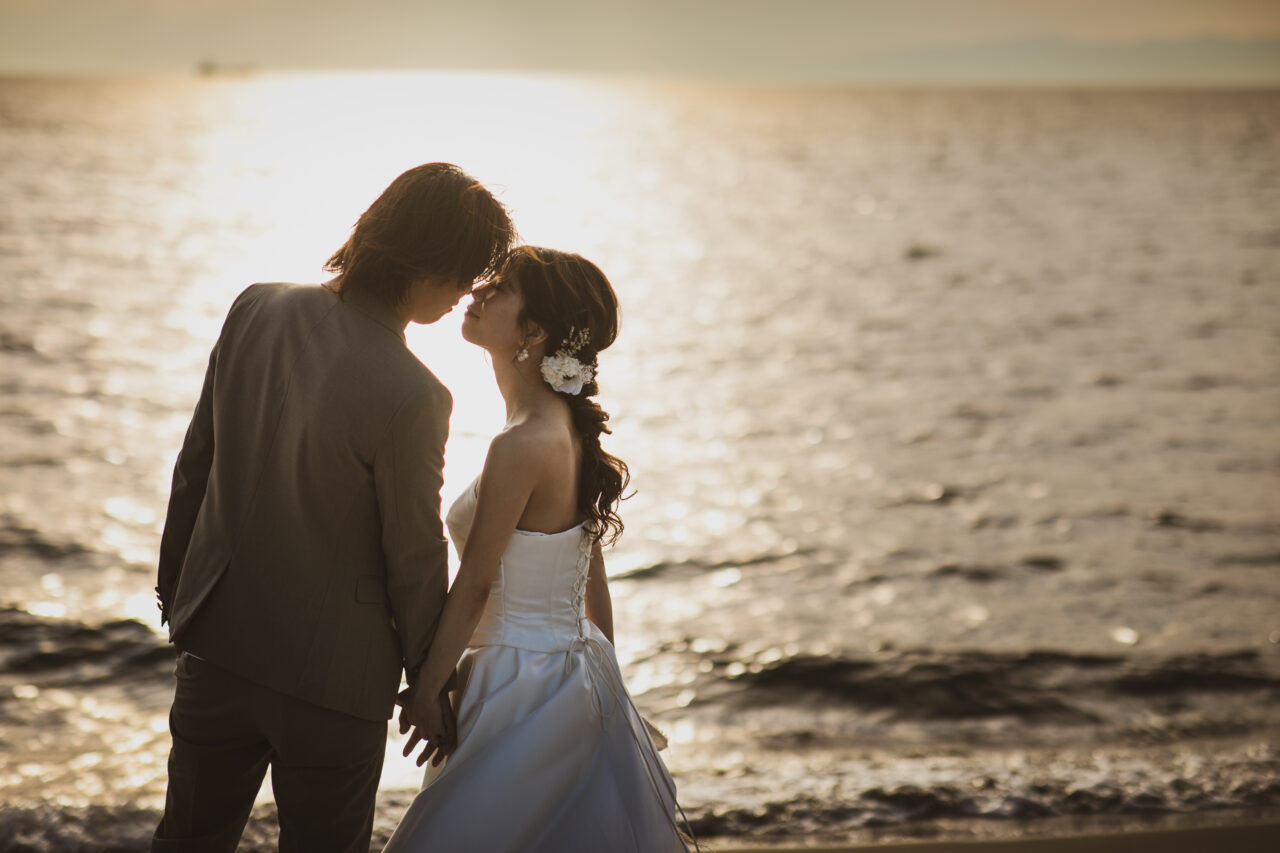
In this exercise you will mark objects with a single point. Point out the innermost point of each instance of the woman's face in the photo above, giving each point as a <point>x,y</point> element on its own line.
<point>492,319</point>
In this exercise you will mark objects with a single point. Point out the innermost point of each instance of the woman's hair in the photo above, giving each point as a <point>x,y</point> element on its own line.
<point>433,220</point>
<point>565,294</point>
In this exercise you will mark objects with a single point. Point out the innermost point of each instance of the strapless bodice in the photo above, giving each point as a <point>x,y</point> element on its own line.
<point>537,598</point>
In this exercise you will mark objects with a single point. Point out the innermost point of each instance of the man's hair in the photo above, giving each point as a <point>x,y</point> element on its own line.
<point>433,220</point>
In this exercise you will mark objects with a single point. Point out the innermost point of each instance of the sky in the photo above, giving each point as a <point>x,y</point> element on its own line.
<point>1175,42</point>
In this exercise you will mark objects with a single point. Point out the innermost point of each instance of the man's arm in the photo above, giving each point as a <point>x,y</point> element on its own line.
<point>190,478</point>
<point>408,472</point>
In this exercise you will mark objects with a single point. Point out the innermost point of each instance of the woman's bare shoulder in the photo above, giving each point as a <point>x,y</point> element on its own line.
<point>531,444</point>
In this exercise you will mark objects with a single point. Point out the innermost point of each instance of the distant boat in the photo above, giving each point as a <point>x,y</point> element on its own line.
<point>211,68</point>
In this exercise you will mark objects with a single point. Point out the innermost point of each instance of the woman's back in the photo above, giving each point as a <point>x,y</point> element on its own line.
<point>552,451</point>
<point>537,598</point>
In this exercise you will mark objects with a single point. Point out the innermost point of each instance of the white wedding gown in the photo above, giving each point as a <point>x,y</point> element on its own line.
<point>552,755</point>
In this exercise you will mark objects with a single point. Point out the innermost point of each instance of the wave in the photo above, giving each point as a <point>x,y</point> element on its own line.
<point>59,652</point>
<point>880,807</point>
<point>1035,687</point>
<point>17,539</point>
<point>50,828</point>
<point>911,686</point>
<point>62,829</point>
<point>696,568</point>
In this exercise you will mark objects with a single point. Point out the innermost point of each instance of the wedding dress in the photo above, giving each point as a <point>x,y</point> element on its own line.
<point>552,755</point>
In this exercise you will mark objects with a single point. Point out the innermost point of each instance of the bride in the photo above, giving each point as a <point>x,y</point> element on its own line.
<point>550,754</point>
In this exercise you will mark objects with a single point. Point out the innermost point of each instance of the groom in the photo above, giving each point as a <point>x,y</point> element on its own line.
<point>303,566</point>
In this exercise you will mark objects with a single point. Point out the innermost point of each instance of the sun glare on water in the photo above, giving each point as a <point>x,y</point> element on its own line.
<point>294,159</point>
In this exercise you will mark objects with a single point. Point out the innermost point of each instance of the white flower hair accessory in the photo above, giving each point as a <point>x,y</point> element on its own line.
<point>563,371</point>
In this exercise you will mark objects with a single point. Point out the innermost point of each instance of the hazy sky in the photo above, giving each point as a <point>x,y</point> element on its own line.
<point>1175,41</point>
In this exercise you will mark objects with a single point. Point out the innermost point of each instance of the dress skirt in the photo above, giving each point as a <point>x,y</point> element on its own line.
<point>552,756</point>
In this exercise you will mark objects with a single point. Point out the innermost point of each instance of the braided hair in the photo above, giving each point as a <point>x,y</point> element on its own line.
<point>565,294</point>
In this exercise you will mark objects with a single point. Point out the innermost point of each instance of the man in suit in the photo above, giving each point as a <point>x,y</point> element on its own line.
<point>303,564</point>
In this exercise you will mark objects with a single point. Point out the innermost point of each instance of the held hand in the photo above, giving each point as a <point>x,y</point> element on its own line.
<point>451,723</point>
<point>433,723</point>
<point>402,699</point>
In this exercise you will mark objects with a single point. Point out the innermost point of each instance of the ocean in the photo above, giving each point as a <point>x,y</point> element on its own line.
<point>951,414</point>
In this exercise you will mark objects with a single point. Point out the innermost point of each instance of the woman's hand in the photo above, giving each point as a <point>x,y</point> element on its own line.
<point>433,721</point>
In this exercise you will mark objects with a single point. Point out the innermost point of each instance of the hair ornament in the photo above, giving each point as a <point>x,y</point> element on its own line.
<point>564,371</point>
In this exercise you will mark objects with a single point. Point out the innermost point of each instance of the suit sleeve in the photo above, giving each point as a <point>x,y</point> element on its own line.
<point>408,474</point>
<point>190,479</point>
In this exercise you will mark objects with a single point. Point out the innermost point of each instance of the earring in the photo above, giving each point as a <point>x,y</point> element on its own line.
<point>523,353</point>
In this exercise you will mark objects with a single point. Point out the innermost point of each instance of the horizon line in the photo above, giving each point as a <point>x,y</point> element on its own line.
<point>211,70</point>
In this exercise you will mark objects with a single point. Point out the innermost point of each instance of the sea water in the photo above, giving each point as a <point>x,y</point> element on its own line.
<point>951,417</point>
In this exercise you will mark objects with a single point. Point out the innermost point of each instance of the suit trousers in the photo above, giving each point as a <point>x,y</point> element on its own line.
<point>325,766</point>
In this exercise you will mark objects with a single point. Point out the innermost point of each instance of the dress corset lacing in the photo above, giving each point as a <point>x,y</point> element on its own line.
<point>604,677</point>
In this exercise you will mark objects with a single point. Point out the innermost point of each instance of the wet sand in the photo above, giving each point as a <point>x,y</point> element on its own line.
<point>45,830</point>
<point>1236,839</point>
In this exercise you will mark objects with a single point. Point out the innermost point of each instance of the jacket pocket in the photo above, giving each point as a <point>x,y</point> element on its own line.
<point>187,665</point>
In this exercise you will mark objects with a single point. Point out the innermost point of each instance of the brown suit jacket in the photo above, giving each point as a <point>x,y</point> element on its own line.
<point>303,548</point>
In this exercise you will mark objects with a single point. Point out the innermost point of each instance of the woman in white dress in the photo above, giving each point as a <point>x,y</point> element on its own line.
<point>551,754</point>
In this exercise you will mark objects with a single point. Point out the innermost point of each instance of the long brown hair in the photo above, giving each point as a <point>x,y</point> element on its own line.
<point>434,219</point>
<point>564,294</point>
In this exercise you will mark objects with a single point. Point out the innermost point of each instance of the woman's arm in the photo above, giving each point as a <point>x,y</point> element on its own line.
<point>599,604</point>
<point>506,483</point>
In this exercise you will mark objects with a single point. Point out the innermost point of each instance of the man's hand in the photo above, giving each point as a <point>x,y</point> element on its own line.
<point>433,722</point>
<point>164,609</point>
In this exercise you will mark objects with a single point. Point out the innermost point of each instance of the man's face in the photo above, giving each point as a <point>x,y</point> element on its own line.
<point>430,298</point>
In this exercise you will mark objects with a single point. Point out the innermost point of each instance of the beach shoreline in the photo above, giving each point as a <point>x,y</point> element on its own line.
<point>1260,837</point>
<point>1238,835</point>
<point>1236,831</point>
<point>49,828</point>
